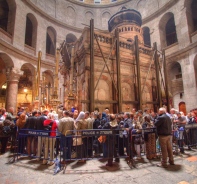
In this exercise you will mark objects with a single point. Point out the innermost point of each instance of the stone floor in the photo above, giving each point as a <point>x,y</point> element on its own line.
<point>30,171</point>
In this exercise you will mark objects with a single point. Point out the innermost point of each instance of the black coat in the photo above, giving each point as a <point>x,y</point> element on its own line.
<point>40,122</point>
<point>163,124</point>
<point>31,122</point>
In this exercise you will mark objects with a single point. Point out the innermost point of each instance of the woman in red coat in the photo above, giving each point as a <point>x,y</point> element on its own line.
<point>49,142</point>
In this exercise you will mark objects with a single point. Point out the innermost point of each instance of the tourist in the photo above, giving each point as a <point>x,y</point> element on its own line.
<point>109,148</point>
<point>77,141</point>
<point>66,127</point>
<point>49,142</point>
<point>31,140</point>
<point>22,139</point>
<point>5,136</point>
<point>164,130</point>
<point>40,127</point>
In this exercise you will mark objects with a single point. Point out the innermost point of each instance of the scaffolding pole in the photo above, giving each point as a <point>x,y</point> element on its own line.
<point>157,77</point>
<point>166,81</point>
<point>138,73</point>
<point>118,72</point>
<point>91,91</point>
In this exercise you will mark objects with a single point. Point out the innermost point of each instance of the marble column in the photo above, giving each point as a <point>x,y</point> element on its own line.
<point>13,76</point>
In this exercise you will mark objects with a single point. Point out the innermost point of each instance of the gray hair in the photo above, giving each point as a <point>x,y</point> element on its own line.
<point>162,109</point>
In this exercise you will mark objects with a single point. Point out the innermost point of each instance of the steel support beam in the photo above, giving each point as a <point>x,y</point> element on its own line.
<point>166,81</point>
<point>91,89</point>
<point>139,93</point>
<point>157,77</point>
<point>118,72</point>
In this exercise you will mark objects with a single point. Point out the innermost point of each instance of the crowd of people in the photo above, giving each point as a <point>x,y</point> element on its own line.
<point>71,123</point>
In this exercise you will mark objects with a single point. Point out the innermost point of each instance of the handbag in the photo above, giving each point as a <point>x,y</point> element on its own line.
<point>77,141</point>
<point>102,139</point>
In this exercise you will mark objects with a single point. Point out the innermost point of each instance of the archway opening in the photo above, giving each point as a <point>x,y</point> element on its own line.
<point>171,36</point>
<point>4,9</point>
<point>28,32</point>
<point>50,41</point>
<point>146,35</point>
<point>194,14</point>
<point>31,31</point>
<point>182,107</point>
<point>25,87</point>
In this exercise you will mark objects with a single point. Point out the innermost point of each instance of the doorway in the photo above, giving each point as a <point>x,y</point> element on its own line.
<point>182,107</point>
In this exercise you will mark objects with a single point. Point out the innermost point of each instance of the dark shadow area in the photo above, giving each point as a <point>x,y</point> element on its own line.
<point>174,168</point>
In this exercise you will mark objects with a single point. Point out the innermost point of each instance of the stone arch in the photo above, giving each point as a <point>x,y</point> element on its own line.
<point>48,77</point>
<point>103,91</point>
<point>126,91</point>
<point>70,38</point>
<point>26,86</point>
<point>175,79</point>
<point>105,18</point>
<point>146,36</point>
<point>191,6</point>
<point>31,30</point>
<point>6,61</point>
<point>8,12</point>
<point>47,86</point>
<point>71,15</point>
<point>146,94</point>
<point>167,30</point>
<point>88,16</point>
<point>28,77</point>
<point>51,40</point>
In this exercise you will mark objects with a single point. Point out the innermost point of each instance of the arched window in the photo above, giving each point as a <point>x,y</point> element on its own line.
<point>31,30</point>
<point>51,41</point>
<point>7,15</point>
<point>146,35</point>
<point>4,13</point>
<point>194,14</point>
<point>171,36</point>
<point>195,68</point>
<point>28,32</point>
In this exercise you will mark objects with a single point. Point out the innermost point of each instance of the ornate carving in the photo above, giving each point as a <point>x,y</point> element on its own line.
<point>13,74</point>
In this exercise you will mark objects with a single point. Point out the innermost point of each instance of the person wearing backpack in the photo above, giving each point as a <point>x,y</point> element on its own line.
<point>5,132</point>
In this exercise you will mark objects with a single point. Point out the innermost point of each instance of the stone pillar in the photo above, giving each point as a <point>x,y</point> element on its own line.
<point>13,76</point>
<point>189,86</point>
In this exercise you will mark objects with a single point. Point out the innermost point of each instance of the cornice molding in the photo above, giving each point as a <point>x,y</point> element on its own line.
<point>23,54</point>
<point>98,5</point>
<point>181,53</point>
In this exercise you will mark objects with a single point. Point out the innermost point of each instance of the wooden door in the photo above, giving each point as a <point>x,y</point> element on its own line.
<point>182,107</point>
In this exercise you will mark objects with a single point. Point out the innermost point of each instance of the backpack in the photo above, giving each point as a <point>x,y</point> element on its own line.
<point>6,130</point>
<point>49,126</point>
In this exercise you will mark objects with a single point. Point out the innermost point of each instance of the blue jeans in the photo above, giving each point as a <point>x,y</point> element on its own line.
<point>66,144</point>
